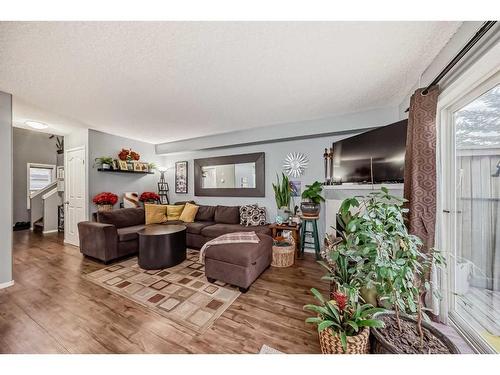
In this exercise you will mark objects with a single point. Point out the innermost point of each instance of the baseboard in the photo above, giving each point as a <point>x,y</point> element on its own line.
<point>50,231</point>
<point>7,284</point>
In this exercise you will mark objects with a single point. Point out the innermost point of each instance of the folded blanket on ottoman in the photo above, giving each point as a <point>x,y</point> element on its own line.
<point>237,237</point>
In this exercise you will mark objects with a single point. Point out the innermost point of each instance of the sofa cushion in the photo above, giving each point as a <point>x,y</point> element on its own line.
<point>174,211</point>
<point>227,214</point>
<point>189,213</point>
<point>245,213</point>
<point>217,230</point>
<point>205,213</point>
<point>129,233</point>
<point>197,226</point>
<point>155,213</point>
<point>242,254</point>
<point>125,217</point>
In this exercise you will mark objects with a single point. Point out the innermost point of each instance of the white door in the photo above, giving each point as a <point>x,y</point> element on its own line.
<point>75,192</point>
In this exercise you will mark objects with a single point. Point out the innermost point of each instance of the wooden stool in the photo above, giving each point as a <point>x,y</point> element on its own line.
<point>313,220</point>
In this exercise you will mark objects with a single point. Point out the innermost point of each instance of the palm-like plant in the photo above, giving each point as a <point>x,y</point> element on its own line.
<point>282,192</point>
<point>342,316</point>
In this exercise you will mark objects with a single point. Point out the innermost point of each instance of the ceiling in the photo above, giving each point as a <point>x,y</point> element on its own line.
<point>166,81</point>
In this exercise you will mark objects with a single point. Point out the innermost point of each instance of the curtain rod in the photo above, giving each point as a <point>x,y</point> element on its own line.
<point>471,43</point>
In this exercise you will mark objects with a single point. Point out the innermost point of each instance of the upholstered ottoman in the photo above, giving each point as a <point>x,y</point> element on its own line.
<point>238,264</point>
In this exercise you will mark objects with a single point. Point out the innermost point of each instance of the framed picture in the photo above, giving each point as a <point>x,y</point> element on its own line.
<point>123,165</point>
<point>137,166</point>
<point>115,164</point>
<point>295,187</point>
<point>145,167</point>
<point>181,177</point>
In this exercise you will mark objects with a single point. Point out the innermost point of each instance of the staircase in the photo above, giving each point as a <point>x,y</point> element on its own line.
<point>43,205</point>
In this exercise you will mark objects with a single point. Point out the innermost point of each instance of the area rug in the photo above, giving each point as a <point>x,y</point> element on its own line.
<point>269,350</point>
<point>180,293</point>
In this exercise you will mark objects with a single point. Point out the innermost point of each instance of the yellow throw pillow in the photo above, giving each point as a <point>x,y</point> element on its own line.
<point>189,213</point>
<point>155,213</point>
<point>174,211</point>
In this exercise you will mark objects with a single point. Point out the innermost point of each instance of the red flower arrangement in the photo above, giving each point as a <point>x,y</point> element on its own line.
<point>105,198</point>
<point>148,196</point>
<point>125,154</point>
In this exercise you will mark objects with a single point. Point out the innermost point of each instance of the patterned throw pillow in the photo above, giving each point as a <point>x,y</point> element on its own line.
<point>257,216</point>
<point>245,213</point>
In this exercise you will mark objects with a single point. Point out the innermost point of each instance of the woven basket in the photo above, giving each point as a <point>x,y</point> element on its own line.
<point>104,207</point>
<point>359,344</point>
<point>283,256</point>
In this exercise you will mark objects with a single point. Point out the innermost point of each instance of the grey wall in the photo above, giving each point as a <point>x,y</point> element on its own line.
<point>6,188</point>
<point>103,144</point>
<point>29,147</point>
<point>275,154</point>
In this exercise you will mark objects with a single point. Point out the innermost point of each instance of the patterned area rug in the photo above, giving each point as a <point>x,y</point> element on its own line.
<point>181,293</point>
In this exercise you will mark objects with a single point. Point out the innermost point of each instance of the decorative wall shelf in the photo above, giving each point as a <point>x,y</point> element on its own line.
<point>122,171</point>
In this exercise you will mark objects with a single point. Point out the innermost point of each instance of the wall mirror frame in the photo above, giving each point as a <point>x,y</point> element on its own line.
<point>260,175</point>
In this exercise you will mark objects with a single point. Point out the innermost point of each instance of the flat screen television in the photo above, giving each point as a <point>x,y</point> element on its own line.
<point>376,156</point>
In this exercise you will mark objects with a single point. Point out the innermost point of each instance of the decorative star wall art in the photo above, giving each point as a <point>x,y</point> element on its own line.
<point>295,164</point>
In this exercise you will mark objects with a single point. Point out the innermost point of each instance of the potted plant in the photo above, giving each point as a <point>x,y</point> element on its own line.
<point>149,197</point>
<point>391,262</point>
<point>151,167</point>
<point>312,198</point>
<point>343,323</point>
<point>283,194</point>
<point>105,201</point>
<point>104,162</point>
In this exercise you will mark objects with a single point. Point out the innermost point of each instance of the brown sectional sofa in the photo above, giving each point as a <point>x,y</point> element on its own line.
<point>114,234</point>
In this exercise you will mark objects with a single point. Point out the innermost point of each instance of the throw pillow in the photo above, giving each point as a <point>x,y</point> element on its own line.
<point>155,213</point>
<point>257,216</point>
<point>189,213</point>
<point>174,211</point>
<point>245,213</point>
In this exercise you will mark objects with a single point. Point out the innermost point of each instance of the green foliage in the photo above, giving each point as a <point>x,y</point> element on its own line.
<point>104,160</point>
<point>313,192</point>
<point>343,316</point>
<point>377,249</point>
<point>282,192</point>
<point>151,166</point>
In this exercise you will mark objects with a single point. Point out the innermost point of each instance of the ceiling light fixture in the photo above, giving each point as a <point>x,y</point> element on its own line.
<point>36,124</point>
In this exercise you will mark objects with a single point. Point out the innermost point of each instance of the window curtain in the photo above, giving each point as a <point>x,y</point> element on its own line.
<point>420,172</point>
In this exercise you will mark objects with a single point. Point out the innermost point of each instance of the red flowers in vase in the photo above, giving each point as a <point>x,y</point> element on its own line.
<point>149,196</point>
<point>128,155</point>
<point>105,199</point>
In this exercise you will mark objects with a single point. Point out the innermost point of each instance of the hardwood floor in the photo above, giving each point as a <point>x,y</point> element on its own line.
<point>53,309</point>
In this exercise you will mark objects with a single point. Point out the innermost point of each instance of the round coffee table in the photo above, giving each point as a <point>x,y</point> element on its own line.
<point>161,246</point>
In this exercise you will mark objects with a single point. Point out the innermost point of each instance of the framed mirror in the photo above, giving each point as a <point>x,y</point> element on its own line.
<point>230,176</point>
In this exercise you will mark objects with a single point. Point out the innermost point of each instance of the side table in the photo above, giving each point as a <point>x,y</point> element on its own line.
<point>295,229</point>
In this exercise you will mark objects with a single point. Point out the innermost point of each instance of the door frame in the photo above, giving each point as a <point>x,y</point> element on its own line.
<point>66,190</point>
<point>478,79</point>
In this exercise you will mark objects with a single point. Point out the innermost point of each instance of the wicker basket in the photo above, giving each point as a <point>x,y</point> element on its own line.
<point>359,344</point>
<point>283,256</point>
<point>104,207</point>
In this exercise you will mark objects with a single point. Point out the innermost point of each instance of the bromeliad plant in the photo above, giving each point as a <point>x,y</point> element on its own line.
<point>342,316</point>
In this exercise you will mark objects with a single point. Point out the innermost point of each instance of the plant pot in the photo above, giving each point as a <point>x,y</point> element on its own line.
<point>105,166</point>
<point>310,209</point>
<point>359,344</point>
<point>104,207</point>
<point>380,344</point>
<point>283,213</point>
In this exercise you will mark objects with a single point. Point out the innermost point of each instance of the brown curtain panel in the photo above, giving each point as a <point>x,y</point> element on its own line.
<point>420,165</point>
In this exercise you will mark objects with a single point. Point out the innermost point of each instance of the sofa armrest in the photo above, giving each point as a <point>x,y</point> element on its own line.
<point>98,240</point>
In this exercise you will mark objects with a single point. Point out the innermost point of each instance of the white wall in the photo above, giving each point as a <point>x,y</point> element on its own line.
<point>103,144</point>
<point>6,189</point>
<point>29,147</point>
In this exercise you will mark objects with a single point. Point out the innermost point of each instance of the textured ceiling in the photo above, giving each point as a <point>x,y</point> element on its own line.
<point>165,81</point>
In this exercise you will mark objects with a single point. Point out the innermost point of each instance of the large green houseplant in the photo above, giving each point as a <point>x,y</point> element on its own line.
<point>387,258</point>
<point>282,194</point>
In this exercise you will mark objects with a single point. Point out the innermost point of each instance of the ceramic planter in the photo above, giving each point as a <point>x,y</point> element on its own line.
<point>310,209</point>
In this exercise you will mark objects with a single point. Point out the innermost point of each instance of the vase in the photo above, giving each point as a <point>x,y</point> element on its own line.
<point>104,207</point>
<point>284,213</point>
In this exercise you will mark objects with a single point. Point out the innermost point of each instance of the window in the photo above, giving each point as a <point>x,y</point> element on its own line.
<point>38,177</point>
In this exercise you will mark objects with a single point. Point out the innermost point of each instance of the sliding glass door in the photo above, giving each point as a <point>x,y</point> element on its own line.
<point>471,203</point>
